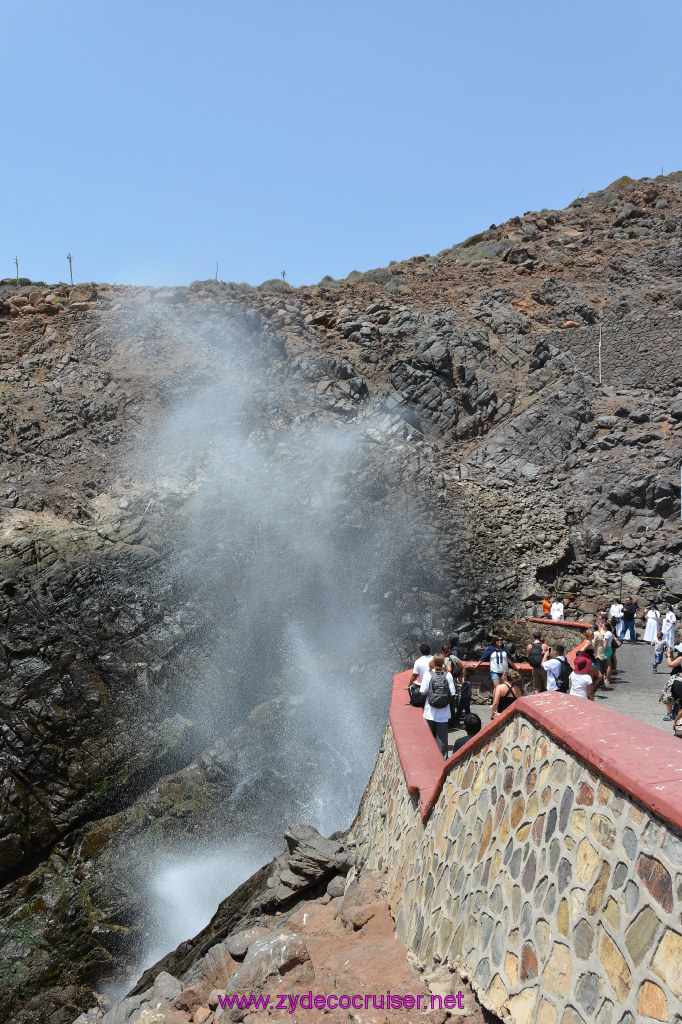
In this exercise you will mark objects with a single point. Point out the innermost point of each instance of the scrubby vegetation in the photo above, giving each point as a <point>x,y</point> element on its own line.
<point>275,284</point>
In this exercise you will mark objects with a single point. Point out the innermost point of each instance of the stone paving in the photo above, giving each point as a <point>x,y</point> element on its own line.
<point>635,690</point>
<point>636,687</point>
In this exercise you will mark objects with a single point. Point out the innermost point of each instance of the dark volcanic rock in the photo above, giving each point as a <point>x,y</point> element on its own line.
<point>480,431</point>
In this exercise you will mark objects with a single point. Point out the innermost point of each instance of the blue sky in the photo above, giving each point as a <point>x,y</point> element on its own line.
<point>151,139</point>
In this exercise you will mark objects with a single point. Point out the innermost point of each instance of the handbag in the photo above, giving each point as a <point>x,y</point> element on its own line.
<point>666,696</point>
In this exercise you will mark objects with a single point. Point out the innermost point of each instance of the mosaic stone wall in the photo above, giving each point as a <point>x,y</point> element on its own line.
<point>563,896</point>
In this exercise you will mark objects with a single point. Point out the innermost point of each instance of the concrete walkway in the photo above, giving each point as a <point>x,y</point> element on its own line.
<point>636,687</point>
<point>635,690</point>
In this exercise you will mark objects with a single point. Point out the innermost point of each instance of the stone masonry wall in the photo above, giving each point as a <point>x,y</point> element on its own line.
<point>560,892</point>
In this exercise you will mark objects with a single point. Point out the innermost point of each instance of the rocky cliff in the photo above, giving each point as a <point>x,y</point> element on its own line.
<point>453,452</point>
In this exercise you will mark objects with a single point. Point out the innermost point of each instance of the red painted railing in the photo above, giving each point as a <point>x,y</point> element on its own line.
<point>640,760</point>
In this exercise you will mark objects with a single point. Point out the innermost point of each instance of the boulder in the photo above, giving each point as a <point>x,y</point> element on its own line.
<point>281,955</point>
<point>81,292</point>
<point>189,999</point>
<point>238,944</point>
<point>434,354</point>
<point>655,567</point>
<point>165,987</point>
<point>336,886</point>
<point>520,255</point>
<point>676,408</point>
<point>362,898</point>
<point>673,579</point>
<point>631,582</point>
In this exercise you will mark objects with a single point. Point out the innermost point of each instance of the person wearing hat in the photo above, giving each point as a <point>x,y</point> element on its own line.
<point>453,642</point>
<point>582,683</point>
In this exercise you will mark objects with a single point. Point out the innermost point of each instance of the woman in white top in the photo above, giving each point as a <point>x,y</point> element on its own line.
<point>437,718</point>
<point>582,684</point>
<point>653,617</point>
<point>557,611</point>
<point>669,626</point>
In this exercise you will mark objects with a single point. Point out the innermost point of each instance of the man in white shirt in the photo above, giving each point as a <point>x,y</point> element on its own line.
<point>551,663</point>
<point>557,611</point>
<point>421,665</point>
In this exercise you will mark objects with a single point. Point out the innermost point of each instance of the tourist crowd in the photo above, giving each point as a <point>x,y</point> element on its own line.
<point>440,683</point>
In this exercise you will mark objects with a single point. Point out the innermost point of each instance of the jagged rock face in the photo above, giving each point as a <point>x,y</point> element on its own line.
<point>485,458</point>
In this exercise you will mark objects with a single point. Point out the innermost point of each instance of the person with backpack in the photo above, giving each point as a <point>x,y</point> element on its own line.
<point>536,654</point>
<point>451,661</point>
<point>463,707</point>
<point>451,664</point>
<point>628,621</point>
<point>438,687</point>
<point>557,669</point>
<point>506,692</point>
<point>421,666</point>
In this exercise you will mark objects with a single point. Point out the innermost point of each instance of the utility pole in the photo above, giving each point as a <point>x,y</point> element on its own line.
<point>216,270</point>
<point>69,258</point>
<point>16,264</point>
<point>284,274</point>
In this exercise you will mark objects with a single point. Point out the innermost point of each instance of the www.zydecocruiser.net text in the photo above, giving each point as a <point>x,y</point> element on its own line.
<point>382,1001</point>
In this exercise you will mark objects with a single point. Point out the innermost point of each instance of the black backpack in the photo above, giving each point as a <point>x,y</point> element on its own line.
<point>535,655</point>
<point>563,680</point>
<point>417,699</point>
<point>438,694</point>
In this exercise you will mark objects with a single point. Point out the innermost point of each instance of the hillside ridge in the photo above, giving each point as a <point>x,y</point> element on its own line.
<point>488,464</point>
